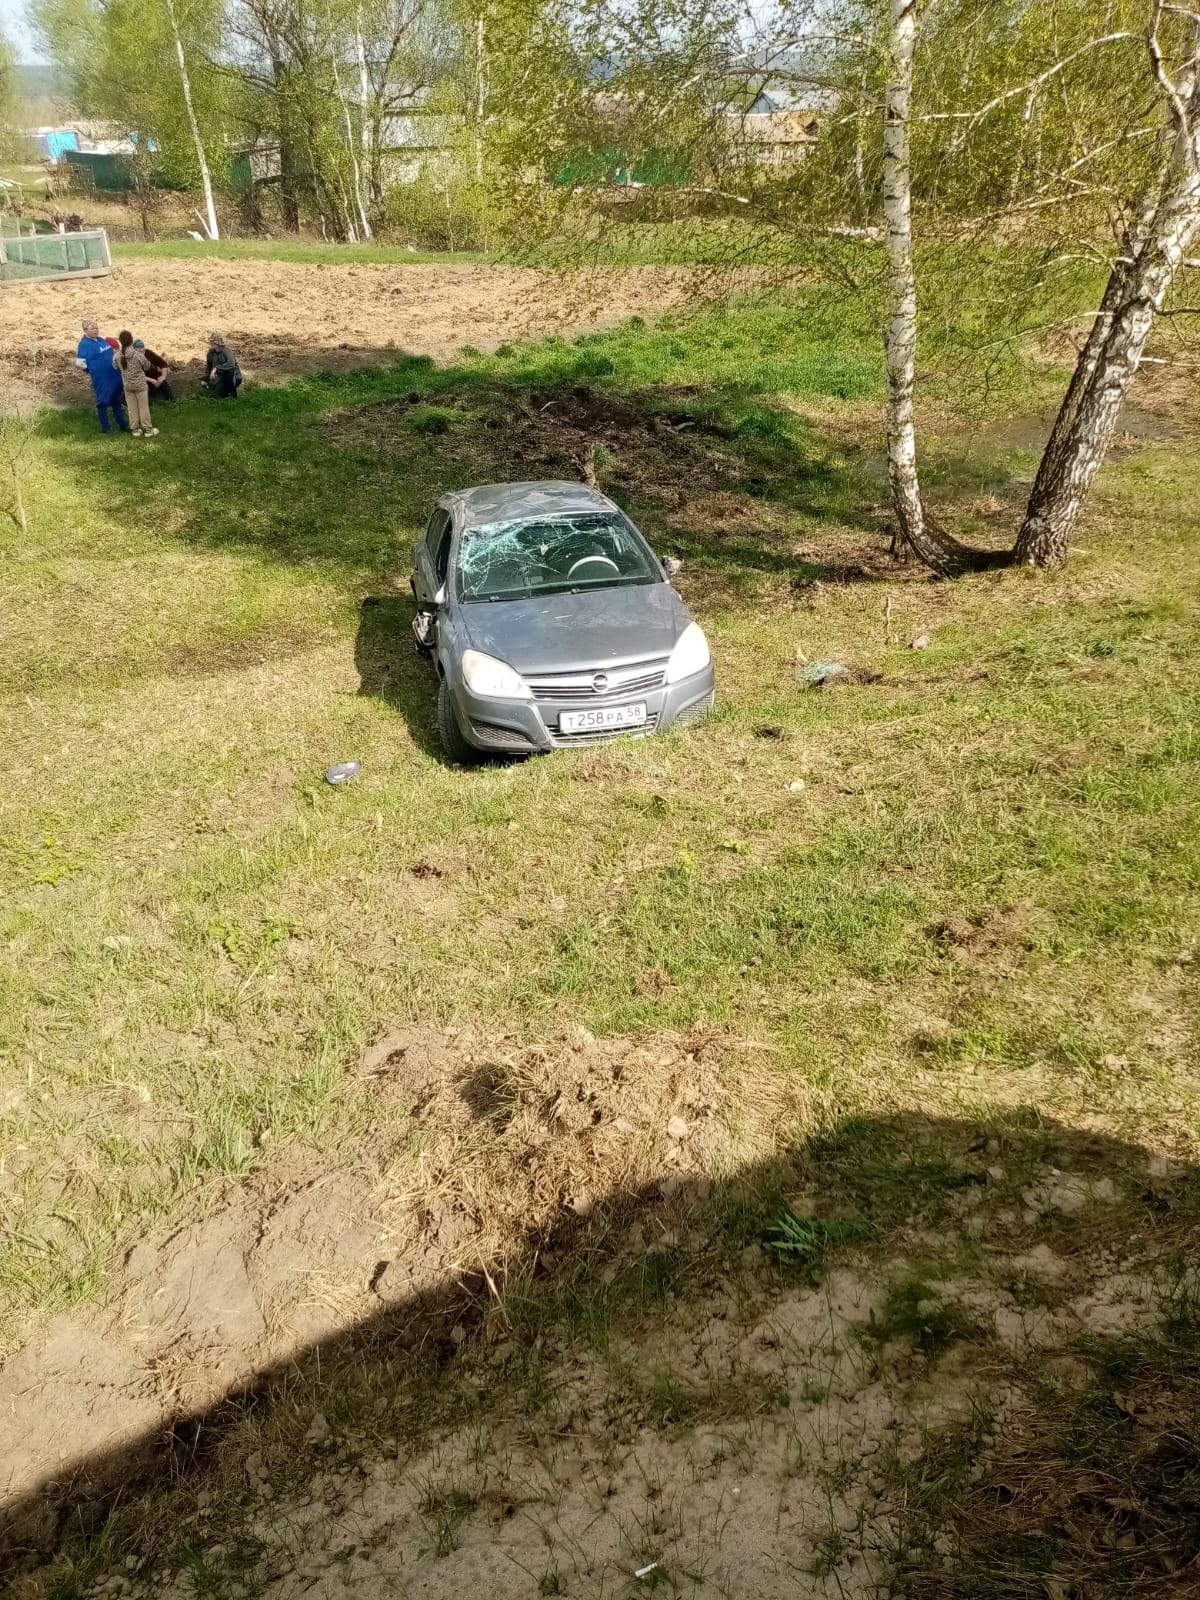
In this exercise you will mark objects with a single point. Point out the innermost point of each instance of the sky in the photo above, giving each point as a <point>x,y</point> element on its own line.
<point>12,22</point>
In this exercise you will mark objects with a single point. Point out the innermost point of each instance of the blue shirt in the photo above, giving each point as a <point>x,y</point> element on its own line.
<point>97,356</point>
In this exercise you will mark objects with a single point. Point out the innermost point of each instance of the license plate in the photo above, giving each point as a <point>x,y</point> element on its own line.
<point>602,717</point>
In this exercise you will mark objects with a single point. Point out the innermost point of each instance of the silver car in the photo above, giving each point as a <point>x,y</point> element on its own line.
<point>551,622</point>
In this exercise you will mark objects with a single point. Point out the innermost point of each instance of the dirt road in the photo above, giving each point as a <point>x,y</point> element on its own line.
<point>284,319</point>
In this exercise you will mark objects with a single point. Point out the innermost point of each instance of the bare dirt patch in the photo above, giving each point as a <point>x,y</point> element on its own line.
<point>526,1341</point>
<point>657,442</point>
<point>663,1398</point>
<point>286,319</point>
<point>299,1254</point>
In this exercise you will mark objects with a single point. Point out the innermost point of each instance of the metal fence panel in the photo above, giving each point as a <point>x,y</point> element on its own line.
<point>53,256</point>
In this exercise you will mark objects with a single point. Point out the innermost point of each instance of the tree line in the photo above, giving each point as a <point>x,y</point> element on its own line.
<point>312,89</point>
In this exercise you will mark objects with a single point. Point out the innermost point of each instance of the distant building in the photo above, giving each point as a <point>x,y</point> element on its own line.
<point>52,144</point>
<point>780,125</point>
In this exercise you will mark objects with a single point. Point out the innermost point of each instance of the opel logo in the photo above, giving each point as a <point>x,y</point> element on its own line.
<point>600,682</point>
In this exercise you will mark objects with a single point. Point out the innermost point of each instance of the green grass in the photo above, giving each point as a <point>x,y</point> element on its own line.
<point>197,935</point>
<point>31,180</point>
<point>305,251</point>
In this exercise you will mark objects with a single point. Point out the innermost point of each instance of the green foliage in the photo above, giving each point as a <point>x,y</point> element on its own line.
<point>119,59</point>
<point>8,99</point>
<point>918,1313</point>
<point>442,210</point>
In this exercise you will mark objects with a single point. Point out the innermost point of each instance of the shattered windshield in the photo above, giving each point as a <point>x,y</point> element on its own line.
<point>542,555</point>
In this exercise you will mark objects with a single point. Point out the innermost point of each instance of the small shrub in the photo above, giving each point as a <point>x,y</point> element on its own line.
<point>803,1241</point>
<point>431,419</point>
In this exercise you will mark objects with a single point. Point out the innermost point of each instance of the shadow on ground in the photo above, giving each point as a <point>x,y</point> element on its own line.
<point>955,1357</point>
<point>341,471</point>
<point>390,669</point>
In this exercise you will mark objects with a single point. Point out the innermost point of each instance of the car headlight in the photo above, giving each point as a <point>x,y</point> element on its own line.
<point>690,655</point>
<point>493,679</point>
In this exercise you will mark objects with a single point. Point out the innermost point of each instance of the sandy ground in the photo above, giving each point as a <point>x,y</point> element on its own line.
<point>745,1437</point>
<point>284,319</point>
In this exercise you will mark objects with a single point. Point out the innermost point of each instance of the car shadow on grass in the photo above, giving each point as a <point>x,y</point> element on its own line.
<point>390,669</point>
<point>1039,1277</point>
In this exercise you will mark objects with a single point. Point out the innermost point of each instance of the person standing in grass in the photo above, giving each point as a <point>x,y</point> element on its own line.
<point>94,356</point>
<point>221,370</point>
<point>131,363</point>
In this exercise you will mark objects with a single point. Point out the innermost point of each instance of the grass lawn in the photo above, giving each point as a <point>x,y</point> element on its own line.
<point>305,251</point>
<point>33,180</point>
<point>965,887</point>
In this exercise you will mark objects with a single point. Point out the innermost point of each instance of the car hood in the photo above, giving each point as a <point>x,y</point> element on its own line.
<point>571,632</point>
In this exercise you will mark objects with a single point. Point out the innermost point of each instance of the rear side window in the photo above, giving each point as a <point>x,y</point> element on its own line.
<point>437,542</point>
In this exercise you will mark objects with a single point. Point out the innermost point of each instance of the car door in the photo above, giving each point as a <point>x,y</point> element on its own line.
<point>431,559</point>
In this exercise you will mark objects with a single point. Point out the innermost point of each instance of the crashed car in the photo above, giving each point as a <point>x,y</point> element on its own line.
<point>551,623</point>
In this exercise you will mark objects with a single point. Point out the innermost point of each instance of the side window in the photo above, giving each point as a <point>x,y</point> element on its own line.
<point>435,528</point>
<point>437,542</point>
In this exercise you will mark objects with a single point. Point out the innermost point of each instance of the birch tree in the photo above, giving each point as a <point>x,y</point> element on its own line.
<point>185,80</point>
<point>996,142</point>
<point>901,338</point>
<point>1163,220</point>
<point>115,55</point>
<point>1152,249</point>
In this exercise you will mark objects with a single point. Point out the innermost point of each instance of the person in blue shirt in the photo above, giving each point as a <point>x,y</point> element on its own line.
<point>95,357</point>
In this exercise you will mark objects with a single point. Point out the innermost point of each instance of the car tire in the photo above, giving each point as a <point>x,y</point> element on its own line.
<point>456,747</point>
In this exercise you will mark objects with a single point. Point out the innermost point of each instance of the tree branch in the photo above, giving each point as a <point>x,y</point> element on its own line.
<point>1161,76</point>
<point>1029,88</point>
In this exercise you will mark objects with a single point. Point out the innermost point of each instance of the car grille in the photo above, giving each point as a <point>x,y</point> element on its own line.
<point>565,688</point>
<point>572,741</point>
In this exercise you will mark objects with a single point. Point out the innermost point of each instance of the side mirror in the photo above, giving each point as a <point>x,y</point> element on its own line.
<point>439,598</point>
<point>672,566</point>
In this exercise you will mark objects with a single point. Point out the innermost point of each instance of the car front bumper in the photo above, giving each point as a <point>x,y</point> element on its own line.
<point>515,726</point>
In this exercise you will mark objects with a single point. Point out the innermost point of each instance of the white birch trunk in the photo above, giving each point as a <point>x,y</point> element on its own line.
<point>480,100</point>
<point>916,529</point>
<point>901,339</point>
<point>1136,289</point>
<point>201,159</point>
<point>364,95</point>
<point>356,170</point>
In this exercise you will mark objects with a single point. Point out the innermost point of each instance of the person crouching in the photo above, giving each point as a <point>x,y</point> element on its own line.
<point>221,371</point>
<point>157,372</point>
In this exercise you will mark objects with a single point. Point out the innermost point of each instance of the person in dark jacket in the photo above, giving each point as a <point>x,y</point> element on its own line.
<point>221,371</point>
<point>94,356</point>
<point>157,372</point>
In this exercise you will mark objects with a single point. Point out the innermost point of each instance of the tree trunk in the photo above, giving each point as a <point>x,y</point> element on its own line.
<point>364,95</point>
<point>480,100</point>
<point>930,543</point>
<point>201,159</point>
<point>1088,416</point>
<point>901,338</point>
<point>351,145</point>
<point>289,182</point>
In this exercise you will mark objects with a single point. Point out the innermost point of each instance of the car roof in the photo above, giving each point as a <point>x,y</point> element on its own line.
<point>496,502</point>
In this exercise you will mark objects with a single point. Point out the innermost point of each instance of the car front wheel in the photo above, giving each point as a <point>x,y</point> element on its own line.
<point>456,747</point>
